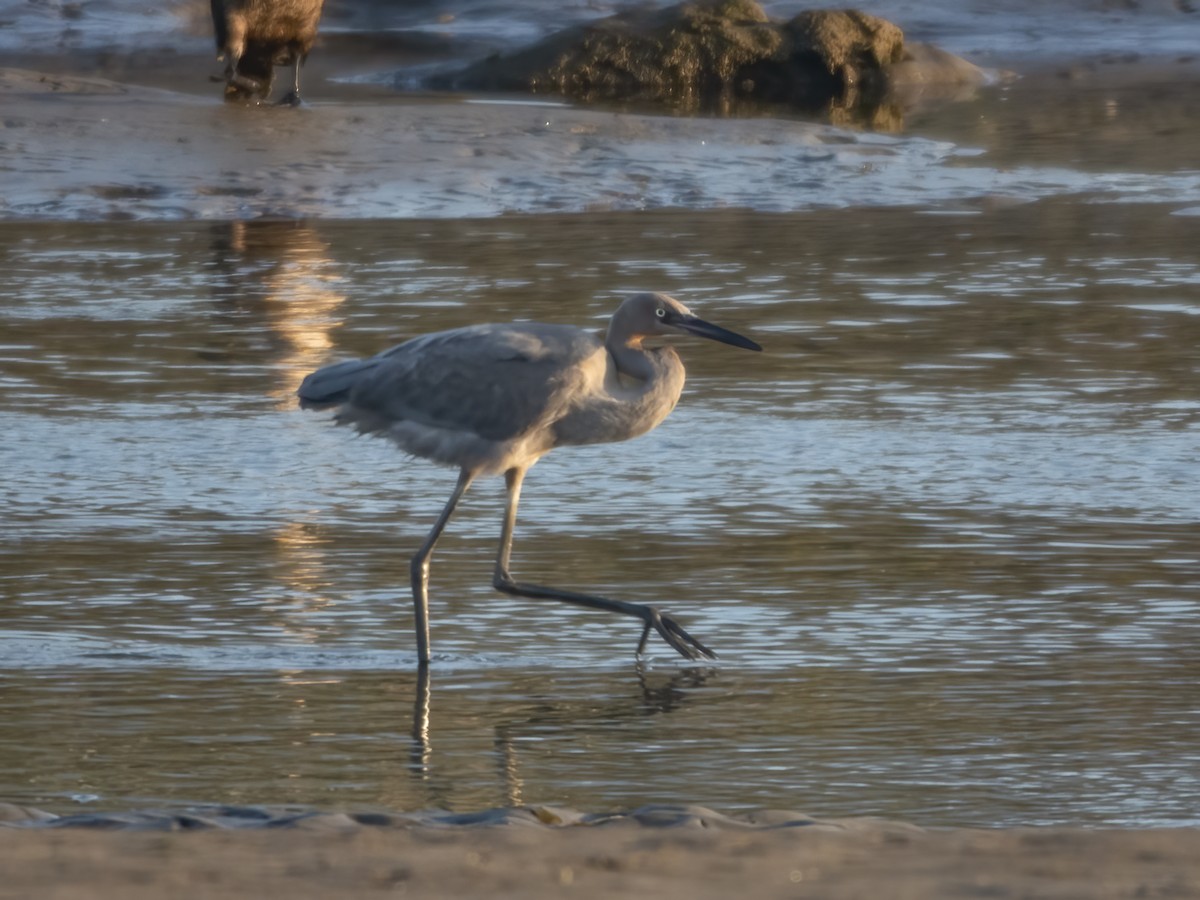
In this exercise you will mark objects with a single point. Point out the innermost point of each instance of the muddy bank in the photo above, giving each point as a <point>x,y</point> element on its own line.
<point>1015,34</point>
<point>88,148</point>
<point>601,862</point>
<point>117,115</point>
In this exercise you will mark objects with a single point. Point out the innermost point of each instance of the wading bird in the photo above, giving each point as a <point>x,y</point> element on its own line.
<point>493,399</point>
<point>254,36</point>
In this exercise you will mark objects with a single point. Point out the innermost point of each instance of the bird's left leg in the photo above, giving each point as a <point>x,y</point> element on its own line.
<point>419,567</point>
<point>670,630</point>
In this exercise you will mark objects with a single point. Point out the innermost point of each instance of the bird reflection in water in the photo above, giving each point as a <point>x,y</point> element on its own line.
<point>656,695</point>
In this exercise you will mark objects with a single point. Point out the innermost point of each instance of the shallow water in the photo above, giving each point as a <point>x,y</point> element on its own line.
<point>943,533</point>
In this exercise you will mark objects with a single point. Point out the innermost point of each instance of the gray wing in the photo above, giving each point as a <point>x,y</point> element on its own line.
<point>494,381</point>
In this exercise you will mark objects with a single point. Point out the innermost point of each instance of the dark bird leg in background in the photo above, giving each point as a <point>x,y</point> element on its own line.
<point>293,97</point>
<point>668,628</point>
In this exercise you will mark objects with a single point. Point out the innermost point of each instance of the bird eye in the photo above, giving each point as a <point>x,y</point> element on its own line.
<point>661,313</point>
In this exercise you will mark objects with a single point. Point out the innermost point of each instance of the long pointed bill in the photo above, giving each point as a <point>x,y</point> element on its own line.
<point>700,328</point>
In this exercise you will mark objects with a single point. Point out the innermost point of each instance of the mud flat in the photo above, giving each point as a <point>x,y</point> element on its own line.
<point>673,856</point>
<point>93,129</point>
<point>85,148</point>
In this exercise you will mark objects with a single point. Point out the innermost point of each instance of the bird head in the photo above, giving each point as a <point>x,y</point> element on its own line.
<point>654,314</point>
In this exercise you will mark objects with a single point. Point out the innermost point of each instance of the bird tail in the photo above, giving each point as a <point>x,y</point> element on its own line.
<point>331,385</point>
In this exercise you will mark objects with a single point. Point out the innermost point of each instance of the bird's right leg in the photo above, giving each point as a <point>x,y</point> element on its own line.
<point>670,630</point>
<point>419,567</point>
<point>293,96</point>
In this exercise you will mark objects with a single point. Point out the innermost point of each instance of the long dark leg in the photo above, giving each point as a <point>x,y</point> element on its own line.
<point>420,566</point>
<point>670,631</point>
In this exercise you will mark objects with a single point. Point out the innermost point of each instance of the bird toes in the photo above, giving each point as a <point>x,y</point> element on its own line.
<point>676,636</point>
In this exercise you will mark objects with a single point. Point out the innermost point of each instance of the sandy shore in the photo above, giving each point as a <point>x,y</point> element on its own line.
<point>856,860</point>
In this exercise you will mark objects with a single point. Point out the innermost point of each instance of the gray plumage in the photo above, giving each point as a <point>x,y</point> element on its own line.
<point>493,399</point>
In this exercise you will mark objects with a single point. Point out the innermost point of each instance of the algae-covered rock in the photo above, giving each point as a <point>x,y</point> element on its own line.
<point>681,55</point>
<point>705,54</point>
<point>846,41</point>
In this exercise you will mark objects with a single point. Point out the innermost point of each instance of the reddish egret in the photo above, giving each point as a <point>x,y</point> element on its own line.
<point>254,36</point>
<point>493,399</point>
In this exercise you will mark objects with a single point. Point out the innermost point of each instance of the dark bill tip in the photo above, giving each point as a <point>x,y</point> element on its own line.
<point>700,328</point>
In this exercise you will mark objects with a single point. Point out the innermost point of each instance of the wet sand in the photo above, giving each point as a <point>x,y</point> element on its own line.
<point>863,859</point>
<point>542,851</point>
<point>91,141</point>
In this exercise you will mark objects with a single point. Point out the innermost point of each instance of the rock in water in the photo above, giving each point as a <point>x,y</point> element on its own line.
<point>710,55</point>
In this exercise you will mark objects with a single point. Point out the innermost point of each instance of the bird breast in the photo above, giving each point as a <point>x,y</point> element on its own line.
<point>615,405</point>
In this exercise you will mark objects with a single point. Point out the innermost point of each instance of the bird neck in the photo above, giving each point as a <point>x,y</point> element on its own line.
<point>651,378</point>
<point>635,361</point>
